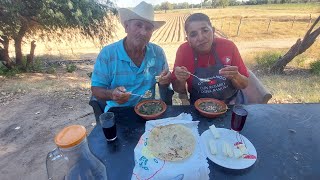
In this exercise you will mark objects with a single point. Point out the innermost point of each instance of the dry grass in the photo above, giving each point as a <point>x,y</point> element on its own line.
<point>301,61</point>
<point>255,20</point>
<point>293,88</point>
<point>47,82</point>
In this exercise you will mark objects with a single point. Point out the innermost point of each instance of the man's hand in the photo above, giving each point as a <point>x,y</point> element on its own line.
<point>230,72</point>
<point>165,77</point>
<point>120,95</point>
<point>181,73</point>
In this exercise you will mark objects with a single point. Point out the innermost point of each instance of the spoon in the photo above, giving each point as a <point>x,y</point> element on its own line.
<point>200,79</point>
<point>147,94</point>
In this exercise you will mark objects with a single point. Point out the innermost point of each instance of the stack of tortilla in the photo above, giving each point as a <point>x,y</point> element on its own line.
<point>170,148</point>
<point>172,142</point>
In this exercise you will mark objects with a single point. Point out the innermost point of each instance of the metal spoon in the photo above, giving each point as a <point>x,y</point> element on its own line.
<point>200,79</point>
<point>146,94</point>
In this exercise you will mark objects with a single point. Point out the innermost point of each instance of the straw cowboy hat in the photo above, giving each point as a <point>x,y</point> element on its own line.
<point>142,11</point>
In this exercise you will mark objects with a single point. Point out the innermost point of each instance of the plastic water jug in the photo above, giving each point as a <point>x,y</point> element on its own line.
<point>72,159</point>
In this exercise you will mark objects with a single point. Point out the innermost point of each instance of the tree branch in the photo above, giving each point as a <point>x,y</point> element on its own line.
<point>311,28</point>
<point>306,43</point>
<point>298,48</point>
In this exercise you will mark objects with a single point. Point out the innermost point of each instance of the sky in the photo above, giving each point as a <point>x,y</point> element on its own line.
<point>132,3</point>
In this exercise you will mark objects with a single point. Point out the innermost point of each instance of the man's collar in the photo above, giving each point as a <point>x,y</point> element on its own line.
<point>124,55</point>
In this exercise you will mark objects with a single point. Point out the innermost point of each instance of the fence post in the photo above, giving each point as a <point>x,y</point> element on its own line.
<point>294,18</point>
<point>309,21</point>
<point>269,25</point>
<point>221,24</point>
<point>238,32</point>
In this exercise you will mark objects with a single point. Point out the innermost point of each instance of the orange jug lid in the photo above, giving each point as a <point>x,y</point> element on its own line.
<point>70,136</point>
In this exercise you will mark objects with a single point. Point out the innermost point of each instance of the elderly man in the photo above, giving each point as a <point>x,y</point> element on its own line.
<point>129,66</point>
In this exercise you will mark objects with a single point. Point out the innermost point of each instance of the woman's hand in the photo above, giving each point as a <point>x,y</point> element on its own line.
<point>120,95</point>
<point>230,72</point>
<point>181,73</point>
<point>238,80</point>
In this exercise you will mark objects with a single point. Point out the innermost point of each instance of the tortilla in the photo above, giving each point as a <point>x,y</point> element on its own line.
<point>171,142</point>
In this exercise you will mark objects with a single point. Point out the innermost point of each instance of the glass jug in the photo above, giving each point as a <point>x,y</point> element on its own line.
<point>72,159</point>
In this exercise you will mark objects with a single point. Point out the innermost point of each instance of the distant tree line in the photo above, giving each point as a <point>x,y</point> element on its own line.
<point>223,3</point>
<point>254,2</point>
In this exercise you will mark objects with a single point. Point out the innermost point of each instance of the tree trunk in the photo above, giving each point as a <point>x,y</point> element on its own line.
<point>31,55</point>
<point>4,53</point>
<point>298,48</point>
<point>18,50</point>
<point>279,66</point>
<point>18,42</point>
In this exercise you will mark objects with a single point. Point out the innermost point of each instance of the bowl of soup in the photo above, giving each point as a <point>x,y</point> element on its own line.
<point>210,108</point>
<point>150,109</point>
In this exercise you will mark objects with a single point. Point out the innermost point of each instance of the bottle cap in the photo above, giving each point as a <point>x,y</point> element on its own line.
<point>70,136</point>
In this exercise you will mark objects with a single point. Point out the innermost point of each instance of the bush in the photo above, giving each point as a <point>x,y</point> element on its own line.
<point>300,60</point>
<point>51,70</point>
<point>38,65</point>
<point>4,71</point>
<point>315,67</point>
<point>266,59</point>
<point>71,68</point>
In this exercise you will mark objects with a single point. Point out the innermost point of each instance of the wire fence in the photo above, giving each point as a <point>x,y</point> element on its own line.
<point>284,26</point>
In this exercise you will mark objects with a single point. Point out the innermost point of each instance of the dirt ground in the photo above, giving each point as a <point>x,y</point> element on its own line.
<point>33,113</point>
<point>37,106</point>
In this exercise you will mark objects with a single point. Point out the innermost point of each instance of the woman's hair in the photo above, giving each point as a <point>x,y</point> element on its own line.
<point>197,17</point>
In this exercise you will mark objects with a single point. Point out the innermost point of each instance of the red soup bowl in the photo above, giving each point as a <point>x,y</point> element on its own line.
<point>210,108</point>
<point>150,109</point>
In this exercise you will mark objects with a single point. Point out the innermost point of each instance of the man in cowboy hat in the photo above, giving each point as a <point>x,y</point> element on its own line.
<point>130,65</point>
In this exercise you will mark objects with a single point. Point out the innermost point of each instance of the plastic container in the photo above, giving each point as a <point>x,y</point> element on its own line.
<point>72,159</point>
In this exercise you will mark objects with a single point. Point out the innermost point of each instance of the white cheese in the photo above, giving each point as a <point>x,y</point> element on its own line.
<point>214,131</point>
<point>229,150</point>
<point>224,149</point>
<point>213,147</point>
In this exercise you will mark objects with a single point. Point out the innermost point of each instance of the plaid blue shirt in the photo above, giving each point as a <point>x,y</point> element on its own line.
<point>114,68</point>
